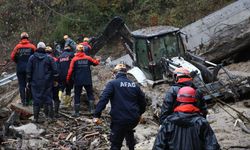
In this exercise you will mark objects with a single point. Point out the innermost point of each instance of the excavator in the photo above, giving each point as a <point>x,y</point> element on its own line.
<point>157,51</point>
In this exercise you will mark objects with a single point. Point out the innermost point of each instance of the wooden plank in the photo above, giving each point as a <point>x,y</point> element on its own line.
<point>23,111</point>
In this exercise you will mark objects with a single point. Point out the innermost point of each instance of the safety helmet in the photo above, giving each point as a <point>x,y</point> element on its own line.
<point>24,35</point>
<point>178,72</point>
<point>186,95</point>
<point>48,49</point>
<point>86,39</point>
<point>79,47</point>
<point>120,67</point>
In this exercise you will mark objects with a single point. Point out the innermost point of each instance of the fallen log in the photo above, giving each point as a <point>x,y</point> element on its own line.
<point>23,111</point>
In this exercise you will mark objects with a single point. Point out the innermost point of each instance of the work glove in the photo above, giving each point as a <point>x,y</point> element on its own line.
<point>97,121</point>
<point>60,95</point>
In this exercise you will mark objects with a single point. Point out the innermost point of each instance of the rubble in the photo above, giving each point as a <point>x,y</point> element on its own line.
<point>29,129</point>
<point>80,133</point>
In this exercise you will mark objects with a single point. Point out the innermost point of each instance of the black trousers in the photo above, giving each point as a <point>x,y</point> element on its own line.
<point>78,91</point>
<point>21,76</point>
<point>121,131</point>
<point>55,94</point>
<point>66,86</point>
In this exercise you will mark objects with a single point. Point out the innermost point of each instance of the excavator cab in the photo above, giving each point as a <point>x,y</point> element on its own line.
<point>153,43</point>
<point>157,51</point>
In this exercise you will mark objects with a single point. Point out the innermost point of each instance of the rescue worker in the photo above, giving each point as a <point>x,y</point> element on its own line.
<point>80,38</point>
<point>182,78</point>
<point>50,52</point>
<point>86,45</point>
<point>69,42</point>
<point>80,72</point>
<point>185,128</point>
<point>41,73</point>
<point>55,87</point>
<point>63,66</point>
<point>127,105</point>
<point>20,55</point>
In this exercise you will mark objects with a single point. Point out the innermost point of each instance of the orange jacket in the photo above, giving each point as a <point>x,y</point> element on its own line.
<point>24,43</point>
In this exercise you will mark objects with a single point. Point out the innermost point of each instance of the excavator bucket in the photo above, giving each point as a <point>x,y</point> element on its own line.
<point>112,29</point>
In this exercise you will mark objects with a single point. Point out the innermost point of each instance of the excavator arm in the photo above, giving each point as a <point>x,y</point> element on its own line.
<point>116,27</point>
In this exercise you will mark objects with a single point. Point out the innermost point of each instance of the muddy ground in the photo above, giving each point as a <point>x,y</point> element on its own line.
<point>69,133</point>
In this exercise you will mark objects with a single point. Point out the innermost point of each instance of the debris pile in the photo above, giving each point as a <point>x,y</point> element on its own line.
<point>80,133</point>
<point>64,133</point>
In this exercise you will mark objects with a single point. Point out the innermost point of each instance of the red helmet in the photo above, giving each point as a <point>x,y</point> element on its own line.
<point>186,95</point>
<point>181,72</point>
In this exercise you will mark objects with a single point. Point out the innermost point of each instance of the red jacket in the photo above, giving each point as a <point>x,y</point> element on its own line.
<point>54,58</point>
<point>24,43</point>
<point>21,53</point>
<point>86,44</point>
<point>80,68</point>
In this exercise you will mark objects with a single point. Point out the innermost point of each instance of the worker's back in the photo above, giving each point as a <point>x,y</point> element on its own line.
<point>186,131</point>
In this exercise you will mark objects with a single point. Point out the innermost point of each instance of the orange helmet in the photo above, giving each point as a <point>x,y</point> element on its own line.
<point>120,67</point>
<point>186,94</point>
<point>48,49</point>
<point>24,35</point>
<point>79,47</point>
<point>86,39</point>
<point>182,72</point>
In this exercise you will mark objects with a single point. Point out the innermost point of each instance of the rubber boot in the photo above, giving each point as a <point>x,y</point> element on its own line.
<point>91,106</point>
<point>60,95</point>
<point>77,109</point>
<point>36,110</point>
<point>57,105</point>
<point>51,113</point>
<point>67,101</point>
<point>46,110</point>
<point>24,102</point>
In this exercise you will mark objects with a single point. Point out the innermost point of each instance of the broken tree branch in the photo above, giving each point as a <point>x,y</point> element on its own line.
<point>90,135</point>
<point>68,137</point>
<point>238,112</point>
<point>9,141</point>
<point>68,116</point>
